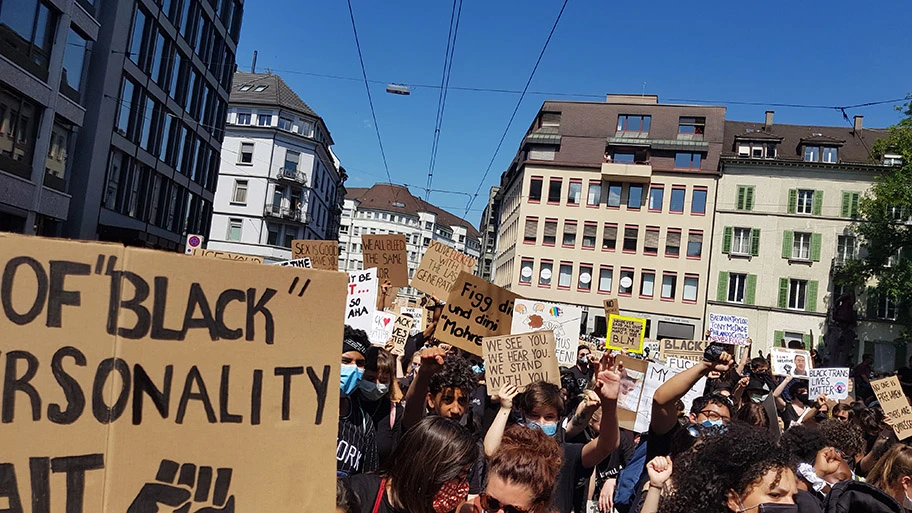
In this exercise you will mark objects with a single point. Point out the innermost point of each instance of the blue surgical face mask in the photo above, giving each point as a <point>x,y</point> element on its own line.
<point>548,428</point>
<point>350,375</point>
<point>712,423</point>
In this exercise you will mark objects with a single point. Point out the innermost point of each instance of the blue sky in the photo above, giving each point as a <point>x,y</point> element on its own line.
<point>820,53</point>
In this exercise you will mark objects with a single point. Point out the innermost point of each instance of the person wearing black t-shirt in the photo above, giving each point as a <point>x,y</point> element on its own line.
<point>356,445</point>
<point>576,378</point>
<point>905,378</point>
<point>378,397</point>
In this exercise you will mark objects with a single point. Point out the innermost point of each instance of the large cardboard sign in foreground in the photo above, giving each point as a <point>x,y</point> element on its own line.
<point>562,320</point>
<point>387,253</point>
<point>440,268</point>
<point>895,405</point>
<point>224,255</point>
<point>520,359</point>
<point>136,378</point>
<point>323,254</point>
<point>475,309</point>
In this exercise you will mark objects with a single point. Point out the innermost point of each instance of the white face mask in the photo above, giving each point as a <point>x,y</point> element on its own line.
<point>373,391</point>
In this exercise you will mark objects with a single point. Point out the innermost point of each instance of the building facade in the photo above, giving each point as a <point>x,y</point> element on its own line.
<point>787,198</point>
<point>490,220</point>
<point>43,90</point>
<point>156,102</point>
<point>391,209</point>
<point>278,180</point>
<point>614,199</point>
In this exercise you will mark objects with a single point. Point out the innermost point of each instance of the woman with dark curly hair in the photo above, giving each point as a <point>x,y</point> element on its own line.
<point>740,470</point>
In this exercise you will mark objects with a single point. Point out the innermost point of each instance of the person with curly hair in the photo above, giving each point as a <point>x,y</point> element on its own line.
<point>819,465</point>
<point>442,387</point>
<point>740,469</point>
<point>844,436</point>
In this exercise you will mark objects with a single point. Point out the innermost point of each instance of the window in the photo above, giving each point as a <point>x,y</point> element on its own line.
<point>651,241</point>
<point>625,287</point>
<point>736,285</point>
<point>797,294</point>
<point>595,194</point>
<point>886,307</point>
<point>647,283</point>
<point>849,204</point>
<point>757,150</point>
<point>550,118</point>
<point>685,160</point>
<point>656,197</point>
<point>745,197</point>
<point>811,154</point>
<point>673,242</point>
<point>243,118</point>
<point>550,234</point>
<point>544,274</point>
<point>56,162</point>
<point>574,192</point>
<point>244,88</point>
<point>634,196</point>
<point>569,234</point>
<point>136,36</point>
<point>531,230</point>
<point>892,159</point>
<point>565,276</point>
<point>74,61</point>
<point>240,192</point>
<point>125,107</point>
<point>305,127</point>
<point>741,241</point>
<point>845,248</point>
<point>245,156</point>
<point>633,123</point>
<point>691,127</point>
<point>677,200</point>
<point>589,234</point>
<point>614,194</point>
<point>29,26</point>
<point>694,244</point>
<point>805,201</point>
<point>801,246</point>
<point>605,277</point>
<point>291,162</point>
<point>285,124</point>
<point>234,229</point>
<point>691,284</point>
<point>609,237</point>
<point>669,285</point>
<point>630,239</point>
<point>829,154</point>
<point>554,190</point>
<point>525,271</point>
<point>264,119</point>
<point>624,157</point>
<point>698,201</point>
<point>584,282</point>
<point>535,189</point>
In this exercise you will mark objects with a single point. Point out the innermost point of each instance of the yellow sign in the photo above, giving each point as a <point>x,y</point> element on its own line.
<point>626,333</point>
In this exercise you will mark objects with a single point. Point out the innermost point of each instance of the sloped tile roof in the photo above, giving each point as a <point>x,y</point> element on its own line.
<point>277,92</point>
<point>853,147</point>
<point>382,196</point>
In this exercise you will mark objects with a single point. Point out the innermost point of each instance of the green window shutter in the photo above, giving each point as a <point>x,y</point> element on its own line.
<point>854,206</point>
<point>787,238</point>
<point>750,289</point>
<point>815,246</point>
<point>749,198</point>
<point>778,337</point>
<point>722,287</point>
<point>846,204</point>
<point>727,239</point>
<point>783,292</point>
<point>741,192</point>
<point>811,299</point>
<point>818,202</point>
<point>807,340</point>
<point>792,201</point>
<point>755,241</point>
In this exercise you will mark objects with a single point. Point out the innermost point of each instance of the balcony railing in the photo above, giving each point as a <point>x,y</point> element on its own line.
<point>292,174</point>
<point>287,213</point>
<point>638,172</point>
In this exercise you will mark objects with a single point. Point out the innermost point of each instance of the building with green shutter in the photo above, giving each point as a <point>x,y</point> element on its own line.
<point>786,199</point>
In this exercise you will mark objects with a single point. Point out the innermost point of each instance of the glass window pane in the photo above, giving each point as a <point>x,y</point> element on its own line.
<point>656,197</point>
<point>605,276</point>
<point>614,195</point>
<point>566,272</point>
<point>677,200</point>
<point>698,204</point>
<point>690,288</point>
<point>647,285</point>
<point>635,196</point>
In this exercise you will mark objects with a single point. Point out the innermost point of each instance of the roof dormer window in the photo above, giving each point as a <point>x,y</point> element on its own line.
<point>260,88</point>
<point>245,88</point>
<point>825,154</point>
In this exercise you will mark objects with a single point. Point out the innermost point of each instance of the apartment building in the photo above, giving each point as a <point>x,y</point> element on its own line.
<point>392,209</point>
<point>489,223</point>
<point>614,199</point>
<point>787,198</point>
<point>278,179</point>
<point>44,48</point>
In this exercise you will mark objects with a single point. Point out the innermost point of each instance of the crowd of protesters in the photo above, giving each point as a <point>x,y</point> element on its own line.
<point>420,433</point>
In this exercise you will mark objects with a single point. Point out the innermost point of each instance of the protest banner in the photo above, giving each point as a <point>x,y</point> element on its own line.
<point>563,320</point>
<point>303,263</point>
<point>323,254</point>
<point>630,389</point>
<point>656,375</point>
<point>685,349</point>
<point>439,269</point>
<point>133,374</point>
<point>791,362</point>
<point>895,405</point>
<point>652,348</point>
<point>417,314</point>
<point>224,255</point>
<point>402,326</point>
<point>679,364</point>
<point>362,299</point>
<point>728,329</point>
<point>475,309</point>
<point>519,359</point>
<point>381,328</point>
<point>625,333</point>
<point>387,253</point>
<point>627,418</point>
<point>611,308</point>
<point>832,382</point>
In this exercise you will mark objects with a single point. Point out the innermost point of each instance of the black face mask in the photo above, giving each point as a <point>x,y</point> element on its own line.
<point>772,508</point>
<point>583,361</point>
<point>803,398</point>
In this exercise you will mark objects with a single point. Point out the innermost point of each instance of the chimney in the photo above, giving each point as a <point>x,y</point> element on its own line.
<point>857,125</point>
<point>768,124</point>
<point>253,64</point>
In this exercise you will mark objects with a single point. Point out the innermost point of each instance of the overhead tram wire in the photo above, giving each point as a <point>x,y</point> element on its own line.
<point>455,14</point>
<point>516,109</point>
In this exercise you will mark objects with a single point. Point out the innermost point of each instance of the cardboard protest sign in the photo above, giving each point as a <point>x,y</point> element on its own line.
<point>630,390</point>
<point>563,320</point>
<point>401,328</point>
<point>132,371</point>
<point>519,359</point>
<point>303,263</point>
<point>323,254</point>
<point>728,329</point>
<point>656,375</point>
<point>651,348</point>
<point>626,333</point>
<point>362,299</point>
<point>439,269</point>
<point>417,314</point>
<point>381,328</point>
<point>387,253</point>
<point>224,255</point>
<point>791,362</point>
<point>627,418</point>
<point>475,309</point>
<point>832,382</point>
<point>611,308</point>
<point>679,364</point>
<point>685,349</point>
<point>895,405</point>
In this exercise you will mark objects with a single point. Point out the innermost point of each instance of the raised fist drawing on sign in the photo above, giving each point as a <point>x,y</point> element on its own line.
<point>185,489</point>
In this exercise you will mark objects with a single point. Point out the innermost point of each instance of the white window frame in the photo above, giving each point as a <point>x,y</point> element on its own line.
<point>246,115</point>
<point>239,194</point>
<point>647,288</point>
<point>741,241</point>
<point>801,245</point>
<point>264,119</point>
<point>797,294</point>
<point>242,152</point>
<point>669,281</point>
<point>805,199</point>
<point>886,308</point>
<point>233,223</point>
<point>739,281</point>
<point>845,248</point>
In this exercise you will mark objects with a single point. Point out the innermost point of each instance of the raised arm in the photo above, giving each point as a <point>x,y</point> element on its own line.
<point>664,413</point>
<point>584,412</point>
<point>777,394</point>
<point>499,425</point>
<point>431,328</point>
<point>745,357</point>
<point>607,387</point>
<point>416,397</point>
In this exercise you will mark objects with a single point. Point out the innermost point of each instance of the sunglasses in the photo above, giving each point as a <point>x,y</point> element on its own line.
<point>492,505</point>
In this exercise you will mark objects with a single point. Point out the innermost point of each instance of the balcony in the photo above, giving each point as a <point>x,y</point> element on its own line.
<point>292,174</point>
<point>637,172</point>
<point>287,213</point>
